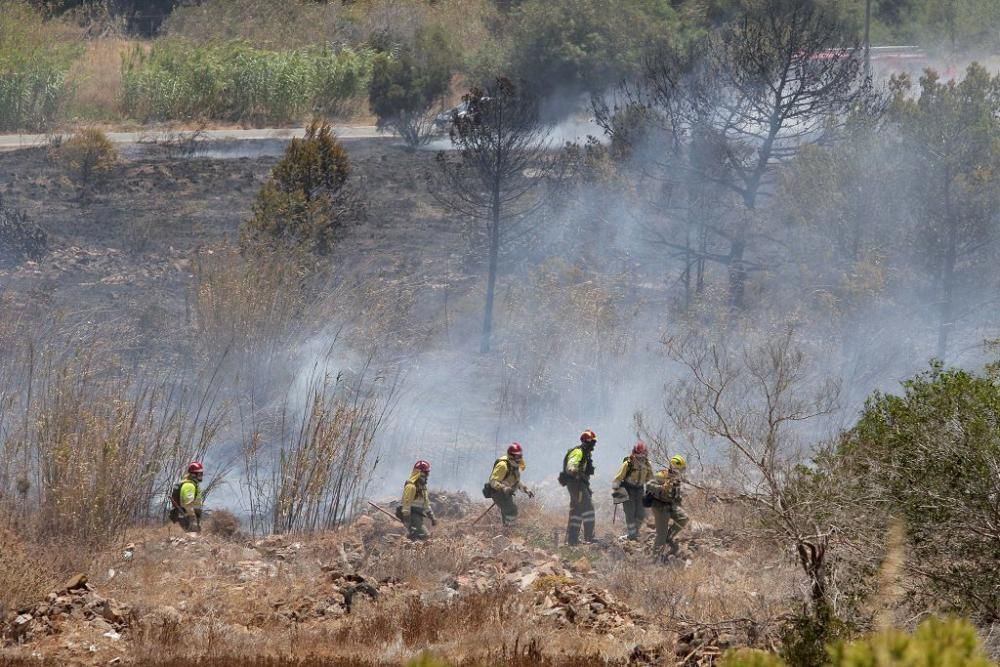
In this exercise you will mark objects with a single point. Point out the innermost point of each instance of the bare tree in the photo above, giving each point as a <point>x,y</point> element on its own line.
<point>739,104</point>
<point>504,159</point>
<point>755,400</point>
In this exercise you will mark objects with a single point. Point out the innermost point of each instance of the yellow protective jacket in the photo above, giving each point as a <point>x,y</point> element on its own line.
<point>506,474</point>
<point>666,489</point>
<point>415,495</point>
<point>634,472</point>
<point>579,463</point>
<point>190,495</point>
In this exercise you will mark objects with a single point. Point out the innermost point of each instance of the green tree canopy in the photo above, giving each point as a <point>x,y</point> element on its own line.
<point>404,88</point>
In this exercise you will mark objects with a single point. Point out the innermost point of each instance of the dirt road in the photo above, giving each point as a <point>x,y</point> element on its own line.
<point>9,142</point>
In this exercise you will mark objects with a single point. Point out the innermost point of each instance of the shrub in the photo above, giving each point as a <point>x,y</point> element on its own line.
<point>34,62</point>
<point>88,156</point>
<point>929,457</point>
<point>584,44</point>
<point>403,89</point>
<point>20,239</point>
<point>951,643</point>
<point>23,577</point>
<point>307,197</point>
<point>223,523</point>
<point>177,80</point>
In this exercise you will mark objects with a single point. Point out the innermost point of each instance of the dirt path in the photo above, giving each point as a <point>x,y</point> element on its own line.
<point>9,142</point>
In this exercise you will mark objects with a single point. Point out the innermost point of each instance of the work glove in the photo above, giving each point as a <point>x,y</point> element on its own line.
<point>434,521</point>
<point>530,494</point>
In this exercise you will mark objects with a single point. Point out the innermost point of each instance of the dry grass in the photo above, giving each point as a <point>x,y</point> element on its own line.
<point>250,309</point>
<point>96,80</point>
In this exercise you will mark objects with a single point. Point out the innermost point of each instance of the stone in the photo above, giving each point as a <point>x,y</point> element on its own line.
<point>77,581</point>
<point>499,543</point>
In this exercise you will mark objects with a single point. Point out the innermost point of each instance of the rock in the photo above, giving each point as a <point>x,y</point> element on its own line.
<point>582,565</point>
<point>101,625</point>
<point>499,543</point>
<point>528,580</point>
<point>77,581</point>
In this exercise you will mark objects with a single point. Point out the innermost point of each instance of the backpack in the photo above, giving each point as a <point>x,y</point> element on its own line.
<point>175,495</point>
<point>176,511</point>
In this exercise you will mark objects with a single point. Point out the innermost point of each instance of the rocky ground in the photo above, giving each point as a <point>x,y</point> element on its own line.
<point>471,594</point>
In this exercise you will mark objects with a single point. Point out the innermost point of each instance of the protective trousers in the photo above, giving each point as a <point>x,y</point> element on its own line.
<point>508,510</point>
<point>635,513</point>
<point>670,519</point>
<point>415,525</point>
<point>581,512</point>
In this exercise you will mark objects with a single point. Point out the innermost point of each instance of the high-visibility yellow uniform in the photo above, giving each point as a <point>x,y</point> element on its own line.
<point>415,505</point>
<point>187,499</point>
<point>505,480</point>
<point>631,477</point>
<point>664,493</point>
<point>578,467</point>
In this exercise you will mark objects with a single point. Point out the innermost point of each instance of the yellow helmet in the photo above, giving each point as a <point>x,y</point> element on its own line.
<point>662,474</point>
<point>678,462</point>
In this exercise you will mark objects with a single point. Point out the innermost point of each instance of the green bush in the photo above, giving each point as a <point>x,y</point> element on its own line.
<point>936,643</point>
<point>930,457</point>
<point>177,80</point>
<point>307,197</point>
<point>403,89</point>
<point>34,63</point>
<point>587,44</point>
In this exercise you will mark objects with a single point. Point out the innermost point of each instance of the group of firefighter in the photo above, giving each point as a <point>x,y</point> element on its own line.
<point>635,487</point>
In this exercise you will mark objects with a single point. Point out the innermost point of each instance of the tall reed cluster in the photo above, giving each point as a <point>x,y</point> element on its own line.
<point>35,58</point>
<point>235,82</point>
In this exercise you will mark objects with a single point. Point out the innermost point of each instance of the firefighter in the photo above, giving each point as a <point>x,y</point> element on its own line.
<point>663,495</point>
<point>416,504</point>
<point>578,468</point>
<point>505,481</point>
<point>186,499</point>
<point>628,486</point>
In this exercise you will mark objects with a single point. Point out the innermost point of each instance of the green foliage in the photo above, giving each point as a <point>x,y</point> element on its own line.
<point>586,44</point>
<point>935,643</point>
<point>404,88</point>
<point>88,156</point>
<point>178,80</point>
<point>307,198</point>
<point>34,63</point>
<point>746,657</point>
<point>427,660</point>
<point>806,636</point>
<point>930,457</point>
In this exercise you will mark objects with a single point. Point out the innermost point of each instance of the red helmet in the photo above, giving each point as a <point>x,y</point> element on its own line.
<point>639,449</point>
<point>422,466</point>
<point>588,436</point>
<point>195,468</point>
<point>515,450</point>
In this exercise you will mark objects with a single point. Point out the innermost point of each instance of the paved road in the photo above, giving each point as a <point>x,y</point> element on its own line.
<point>9,142</point>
